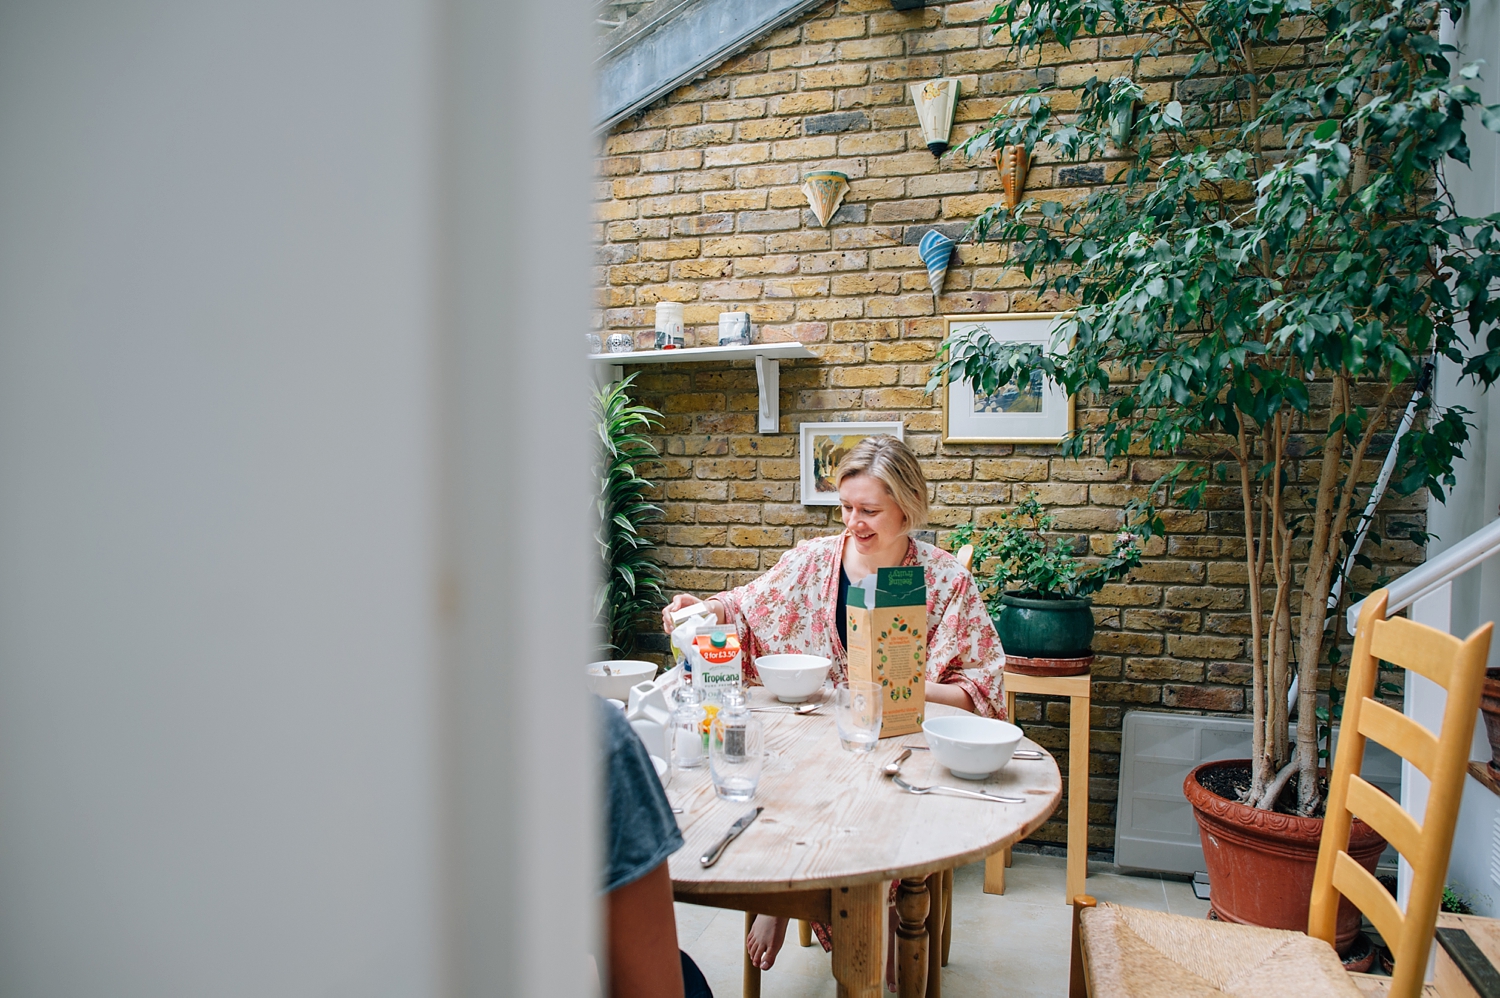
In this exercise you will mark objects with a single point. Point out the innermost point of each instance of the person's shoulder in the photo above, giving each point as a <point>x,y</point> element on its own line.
<point>931,554</point>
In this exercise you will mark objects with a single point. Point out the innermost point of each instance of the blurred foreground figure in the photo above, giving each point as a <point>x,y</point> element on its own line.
<point>640,924</point>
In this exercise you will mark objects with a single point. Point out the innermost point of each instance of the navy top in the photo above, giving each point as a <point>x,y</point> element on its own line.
<point>640,832</point>
<point>841,609</point>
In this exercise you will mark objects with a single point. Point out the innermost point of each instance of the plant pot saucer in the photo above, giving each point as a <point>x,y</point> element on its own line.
<point>1024,666</point>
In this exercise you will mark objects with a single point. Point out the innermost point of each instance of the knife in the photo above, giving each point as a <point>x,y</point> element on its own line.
<point>712,856</point>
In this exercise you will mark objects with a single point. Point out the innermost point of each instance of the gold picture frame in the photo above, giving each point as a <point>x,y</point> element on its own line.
<point>1046,413</point>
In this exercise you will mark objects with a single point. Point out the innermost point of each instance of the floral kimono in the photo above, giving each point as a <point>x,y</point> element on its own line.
<point>791,608</point>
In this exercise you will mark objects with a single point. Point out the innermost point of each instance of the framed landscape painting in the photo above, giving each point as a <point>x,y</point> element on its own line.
<point>824,446</point>
<point>1036,412</point>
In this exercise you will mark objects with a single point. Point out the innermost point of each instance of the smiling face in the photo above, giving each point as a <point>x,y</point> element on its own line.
<point>875,522</point>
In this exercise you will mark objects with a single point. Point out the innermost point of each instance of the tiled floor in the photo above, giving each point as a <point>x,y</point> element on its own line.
<point>1016,944</point>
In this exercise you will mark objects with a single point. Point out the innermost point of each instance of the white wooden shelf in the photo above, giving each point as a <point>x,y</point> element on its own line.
<point>767,357</point>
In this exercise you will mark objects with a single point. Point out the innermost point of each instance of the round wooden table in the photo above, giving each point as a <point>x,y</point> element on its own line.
<point>835,831</point>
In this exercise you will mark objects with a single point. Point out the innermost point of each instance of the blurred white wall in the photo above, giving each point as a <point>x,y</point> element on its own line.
<point>275,548</point>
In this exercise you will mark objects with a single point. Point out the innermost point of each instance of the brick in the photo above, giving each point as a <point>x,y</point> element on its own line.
<point>760,537</point>
<point>734,110</point>
<point>841,121</point>
<point>670,249</point>
<point>817,147</point>
<point>698,491</point>
<point>734,200</point>
<point>768,221</point>
<point>824,77</point>
<point>755,130</point>
<point>764,84</point>
<point>696,536</point>
<point>823,29</point>
<point>678,159</point>
<point>640,141</point>
<point>700,225</point>
<point>740,155</point>
<point>1220,698</point>
<point>1203,646</point>
<point>735,246</point>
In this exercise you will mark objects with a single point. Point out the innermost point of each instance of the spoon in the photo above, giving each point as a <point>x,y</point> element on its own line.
<point>982,795</point>
<point>1025,754</point>
<point>801,710</point>
<point>894,766</point>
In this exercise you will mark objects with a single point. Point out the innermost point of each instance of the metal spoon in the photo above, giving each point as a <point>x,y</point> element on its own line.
<point>1025,754</point>
<point>894,766</point>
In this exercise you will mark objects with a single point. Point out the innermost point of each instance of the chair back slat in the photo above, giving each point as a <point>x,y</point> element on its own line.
<point>1368,895</point>
<point>1458,667</point>
<point>1400,734</point>
<point>1374,808</point>
<point>1422,649</point>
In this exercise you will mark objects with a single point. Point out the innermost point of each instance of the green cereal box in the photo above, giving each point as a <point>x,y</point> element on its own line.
<point>888,643</point>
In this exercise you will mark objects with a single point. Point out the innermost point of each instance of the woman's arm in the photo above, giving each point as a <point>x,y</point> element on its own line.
<point>953,696</point>
<point>686,599</point>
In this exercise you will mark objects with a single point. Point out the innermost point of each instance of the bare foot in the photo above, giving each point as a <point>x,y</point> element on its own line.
<point>765,939</point>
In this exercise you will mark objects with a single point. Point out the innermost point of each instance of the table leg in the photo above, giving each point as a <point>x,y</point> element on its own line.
<point>804,932</point>
<point>858,933</point>
<point>947,913</point>
<point>1078,795</point>
<point>935,924</point>
<point>994,872</point>
<point>913,905</point>
<point>750,984</point>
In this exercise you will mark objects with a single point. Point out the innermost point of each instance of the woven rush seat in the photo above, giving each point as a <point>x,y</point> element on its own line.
<point>1133,953</point>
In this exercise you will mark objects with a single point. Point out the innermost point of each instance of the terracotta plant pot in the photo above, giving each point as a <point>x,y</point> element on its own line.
<point>1489,703</point>
<point>1261,863</point>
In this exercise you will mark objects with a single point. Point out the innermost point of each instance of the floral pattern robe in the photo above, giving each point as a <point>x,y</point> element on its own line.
<point>791,609</point>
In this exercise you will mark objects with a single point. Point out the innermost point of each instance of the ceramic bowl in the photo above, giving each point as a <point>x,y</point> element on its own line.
<point>793,678</point>
<point>622,676</point>
<point>971,747</point>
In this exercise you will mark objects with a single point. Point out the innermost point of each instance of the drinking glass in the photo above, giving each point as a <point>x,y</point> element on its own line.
<point>736,749</point>
<point>856,711</point>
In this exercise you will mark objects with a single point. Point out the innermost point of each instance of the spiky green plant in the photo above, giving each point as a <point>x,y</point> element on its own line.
<point>632,580</point>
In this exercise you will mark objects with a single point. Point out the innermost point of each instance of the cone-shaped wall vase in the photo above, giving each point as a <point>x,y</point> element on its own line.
<point>1013,163</point>
<point>936,101</point>
<point>936,251</point>
<point>825,191</point>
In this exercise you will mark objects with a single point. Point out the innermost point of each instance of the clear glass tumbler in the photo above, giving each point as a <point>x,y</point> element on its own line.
<point>736,749</point>
<point>857,711</point>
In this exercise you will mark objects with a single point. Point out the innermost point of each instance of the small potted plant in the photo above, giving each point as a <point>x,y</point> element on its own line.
<point>1038,590</point>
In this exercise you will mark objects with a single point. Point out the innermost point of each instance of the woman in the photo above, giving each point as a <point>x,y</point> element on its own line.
<point>799,605</point>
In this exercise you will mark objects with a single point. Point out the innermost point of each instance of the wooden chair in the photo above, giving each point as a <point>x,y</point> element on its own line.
<point>1127,952</point>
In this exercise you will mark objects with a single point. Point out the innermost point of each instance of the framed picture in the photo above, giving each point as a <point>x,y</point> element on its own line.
<point>1037,412</point>
<point>824,446</point>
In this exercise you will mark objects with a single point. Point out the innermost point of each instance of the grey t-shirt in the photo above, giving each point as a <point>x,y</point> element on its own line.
<point>640,831</point>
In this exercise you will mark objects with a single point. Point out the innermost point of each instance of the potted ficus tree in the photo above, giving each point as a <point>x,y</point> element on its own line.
<point>1037,586</point>
<point>1269,263</point>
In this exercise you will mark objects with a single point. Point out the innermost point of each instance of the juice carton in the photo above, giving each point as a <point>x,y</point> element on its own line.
<point>720,663</point>
<point>888,643</point>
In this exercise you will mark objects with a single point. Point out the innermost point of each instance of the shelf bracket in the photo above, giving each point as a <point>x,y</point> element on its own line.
<point>768,380</point>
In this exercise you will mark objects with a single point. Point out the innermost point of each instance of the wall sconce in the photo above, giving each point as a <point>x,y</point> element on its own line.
<point>1013,164</point>
<point>936,101</point>
<point>825,190</point>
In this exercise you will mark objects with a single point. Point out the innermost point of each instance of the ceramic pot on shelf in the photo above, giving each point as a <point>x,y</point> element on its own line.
<point>1045,636</point>
<point>1489,704</point>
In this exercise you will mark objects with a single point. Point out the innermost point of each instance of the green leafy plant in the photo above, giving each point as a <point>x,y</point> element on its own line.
<point>632,580</point>
<point>1459,901</point>
<point>1015,551</point>
<point>1264,269</point>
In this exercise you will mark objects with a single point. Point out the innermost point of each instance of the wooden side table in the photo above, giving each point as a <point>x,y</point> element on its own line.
<point>1076,689</point>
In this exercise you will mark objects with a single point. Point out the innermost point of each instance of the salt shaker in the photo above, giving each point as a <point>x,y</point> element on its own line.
<point>687,728</point>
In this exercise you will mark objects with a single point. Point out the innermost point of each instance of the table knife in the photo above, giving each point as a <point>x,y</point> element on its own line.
<point>712,856</point>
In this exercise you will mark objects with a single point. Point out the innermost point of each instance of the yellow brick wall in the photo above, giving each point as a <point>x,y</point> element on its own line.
<point>698,201</point>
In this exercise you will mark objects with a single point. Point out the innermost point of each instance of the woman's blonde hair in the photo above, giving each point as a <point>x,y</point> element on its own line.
<point>893,464</point>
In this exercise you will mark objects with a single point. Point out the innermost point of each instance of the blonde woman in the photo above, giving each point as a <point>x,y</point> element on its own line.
<point>799,605</point>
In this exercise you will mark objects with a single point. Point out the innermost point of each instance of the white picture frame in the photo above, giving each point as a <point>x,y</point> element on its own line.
<point>822,445</point>
<point>1041,413</point>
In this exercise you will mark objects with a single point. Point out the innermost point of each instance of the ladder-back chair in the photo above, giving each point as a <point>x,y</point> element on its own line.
<point>1121,952</point>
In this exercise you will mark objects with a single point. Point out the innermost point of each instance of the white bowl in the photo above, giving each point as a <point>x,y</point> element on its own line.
<point>971,747</point>
<point>793,678</point>
<point>622,676</point>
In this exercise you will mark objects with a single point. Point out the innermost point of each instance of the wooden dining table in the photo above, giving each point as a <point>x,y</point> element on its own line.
<point>835,832</point>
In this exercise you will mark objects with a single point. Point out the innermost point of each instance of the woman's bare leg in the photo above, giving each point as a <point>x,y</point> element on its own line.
<point>765,940</point>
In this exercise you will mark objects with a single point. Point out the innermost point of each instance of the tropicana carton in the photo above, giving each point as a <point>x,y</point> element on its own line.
<point>888,643</point>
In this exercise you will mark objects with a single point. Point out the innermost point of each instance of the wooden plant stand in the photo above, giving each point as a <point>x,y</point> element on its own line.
<point>1076,689</point>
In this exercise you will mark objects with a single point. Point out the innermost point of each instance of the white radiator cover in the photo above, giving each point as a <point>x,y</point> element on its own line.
<point>1154,826</point>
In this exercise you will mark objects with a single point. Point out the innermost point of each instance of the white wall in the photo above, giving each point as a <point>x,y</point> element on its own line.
<point>1474,597</point>
<point>262,505</point>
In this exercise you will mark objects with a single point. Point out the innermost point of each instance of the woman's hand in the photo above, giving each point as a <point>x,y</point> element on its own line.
<point>686,599</point>
<point>949,694</point>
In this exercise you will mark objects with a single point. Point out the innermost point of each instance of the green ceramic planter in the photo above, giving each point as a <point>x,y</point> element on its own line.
<point>1045,628</point>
